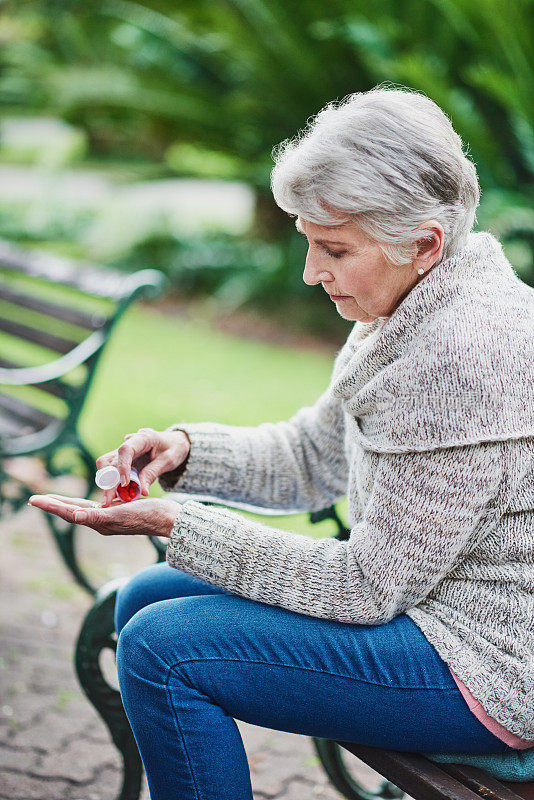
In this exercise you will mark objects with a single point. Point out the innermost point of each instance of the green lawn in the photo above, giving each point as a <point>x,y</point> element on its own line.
<point>159,369</point>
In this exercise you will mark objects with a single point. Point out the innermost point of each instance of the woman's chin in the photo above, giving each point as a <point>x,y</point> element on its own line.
<point>350,310</point>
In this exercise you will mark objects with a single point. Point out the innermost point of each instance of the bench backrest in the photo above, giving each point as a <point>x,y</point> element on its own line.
<point>56,316</point>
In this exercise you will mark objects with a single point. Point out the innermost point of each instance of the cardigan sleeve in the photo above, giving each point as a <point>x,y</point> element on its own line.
<point>423,511</point>
<point>298,465</point>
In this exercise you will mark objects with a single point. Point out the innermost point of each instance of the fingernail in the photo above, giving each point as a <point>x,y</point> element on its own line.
<point>124,481</point>
<point>80,516</point>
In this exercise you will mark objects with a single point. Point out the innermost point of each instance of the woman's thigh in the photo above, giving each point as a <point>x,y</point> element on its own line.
<point>382,685</point>
<point>154,583</point>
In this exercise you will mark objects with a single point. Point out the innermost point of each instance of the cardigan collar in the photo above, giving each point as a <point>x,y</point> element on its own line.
<point>453,364</point>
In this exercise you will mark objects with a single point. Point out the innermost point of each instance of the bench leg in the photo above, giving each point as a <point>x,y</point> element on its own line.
<point>331,757</point>
<point>96,634</point>
<point>64,533</point>
<point>66,544</point>
<point>14,499</point>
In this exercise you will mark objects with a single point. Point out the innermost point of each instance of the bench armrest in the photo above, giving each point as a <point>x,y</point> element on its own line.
<point>181,497</point>
<point>55,369</point>
<point>83,276</point>
<point>343,533</point>
<point>144,283</point>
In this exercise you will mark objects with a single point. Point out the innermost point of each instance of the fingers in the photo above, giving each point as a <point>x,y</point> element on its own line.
<point>149,431</point>
<point>56,499</point>
<point>76,510</point>
<point>55,502</point>
<point>133,446</point>
<point>148,474</point>
<point>81,502</point>
<point>106,459</point>
<point>109,497</point>
<point>58,507</point>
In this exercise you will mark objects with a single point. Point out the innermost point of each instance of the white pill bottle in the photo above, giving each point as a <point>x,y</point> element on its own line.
<point>109,478</point>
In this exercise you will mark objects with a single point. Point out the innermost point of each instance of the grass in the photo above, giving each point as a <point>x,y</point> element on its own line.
<point>159,369</point>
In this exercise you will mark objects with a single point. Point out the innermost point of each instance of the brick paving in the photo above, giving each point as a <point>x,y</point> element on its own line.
<point>53,745</point>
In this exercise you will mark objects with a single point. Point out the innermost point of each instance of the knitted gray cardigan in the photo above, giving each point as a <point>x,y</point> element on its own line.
<point>427,426</point>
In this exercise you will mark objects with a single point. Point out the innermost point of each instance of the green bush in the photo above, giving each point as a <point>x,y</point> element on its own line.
<point>207,88</point>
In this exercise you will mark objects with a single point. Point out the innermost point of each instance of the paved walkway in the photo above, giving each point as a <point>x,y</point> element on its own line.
<point>53,745</point>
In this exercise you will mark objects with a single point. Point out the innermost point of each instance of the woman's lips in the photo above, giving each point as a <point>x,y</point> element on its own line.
<point>336,297</point>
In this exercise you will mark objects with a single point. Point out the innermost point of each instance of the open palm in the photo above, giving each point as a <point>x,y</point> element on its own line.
<point>149,517</point>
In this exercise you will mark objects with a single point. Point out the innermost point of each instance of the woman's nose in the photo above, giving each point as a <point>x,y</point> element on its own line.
<point>314,273</point>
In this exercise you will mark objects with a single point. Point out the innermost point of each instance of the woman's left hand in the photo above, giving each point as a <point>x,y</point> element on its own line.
<point>150,517</point>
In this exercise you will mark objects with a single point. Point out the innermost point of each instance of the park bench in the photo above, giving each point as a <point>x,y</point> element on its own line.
<point>56,317</point>
<point>403,774</point>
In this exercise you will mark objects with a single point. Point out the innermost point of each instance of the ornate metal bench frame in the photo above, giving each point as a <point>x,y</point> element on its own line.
<point>28,430</point>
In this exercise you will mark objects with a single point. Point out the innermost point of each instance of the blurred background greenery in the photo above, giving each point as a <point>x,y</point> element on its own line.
<point>139,133</point>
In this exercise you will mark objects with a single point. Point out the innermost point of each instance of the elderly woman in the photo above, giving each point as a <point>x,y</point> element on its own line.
<point>417,632</point>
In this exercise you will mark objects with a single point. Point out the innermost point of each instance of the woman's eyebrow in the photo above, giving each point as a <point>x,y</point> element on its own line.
<point>318,241</point>
<point>329,241</point>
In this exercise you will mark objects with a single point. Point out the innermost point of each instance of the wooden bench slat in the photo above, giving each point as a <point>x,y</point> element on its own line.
<point>75,316</point>
<point>84,277</point>
<point>26,413</point>
<point>49,340</point>
<point>482,782</point>
<point>11,428</point>
<point>56,387</point>
<point>524,790</point>
<point>412,772</point>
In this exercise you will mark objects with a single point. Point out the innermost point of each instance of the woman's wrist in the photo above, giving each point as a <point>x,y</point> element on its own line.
<point>169,479</point>
<point>171,511</point>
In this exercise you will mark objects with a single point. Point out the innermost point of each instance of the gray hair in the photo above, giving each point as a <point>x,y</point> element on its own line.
<point>387,159</point>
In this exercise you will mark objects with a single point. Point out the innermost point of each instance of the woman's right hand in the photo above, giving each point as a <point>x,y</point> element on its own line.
<point>151,453</point>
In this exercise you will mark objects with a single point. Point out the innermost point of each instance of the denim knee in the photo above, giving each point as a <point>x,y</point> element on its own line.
<point>145,587</point>
<point>128,656</point>
<point>145,645</point>
<point>154,583</point>
<point>133,640</point>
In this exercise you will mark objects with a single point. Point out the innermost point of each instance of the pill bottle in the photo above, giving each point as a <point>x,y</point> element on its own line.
<point>109,478</point>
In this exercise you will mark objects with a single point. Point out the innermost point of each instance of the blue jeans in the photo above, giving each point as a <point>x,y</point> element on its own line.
<point>192,657</point>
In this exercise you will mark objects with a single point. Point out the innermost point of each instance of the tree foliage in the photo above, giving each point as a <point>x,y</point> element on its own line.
<point>210,86</point>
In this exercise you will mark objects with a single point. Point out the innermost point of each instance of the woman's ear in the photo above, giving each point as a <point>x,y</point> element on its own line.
<point>430,245</point>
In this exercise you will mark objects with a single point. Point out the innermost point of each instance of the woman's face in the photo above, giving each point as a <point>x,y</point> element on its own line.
<point>355,273</point>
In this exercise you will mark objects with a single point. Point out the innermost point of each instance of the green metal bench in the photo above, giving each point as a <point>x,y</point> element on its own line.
<point>56,317</point>
<point>402,773</point>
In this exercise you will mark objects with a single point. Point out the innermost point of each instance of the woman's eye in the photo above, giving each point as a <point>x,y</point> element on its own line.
<point>333,254</point>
